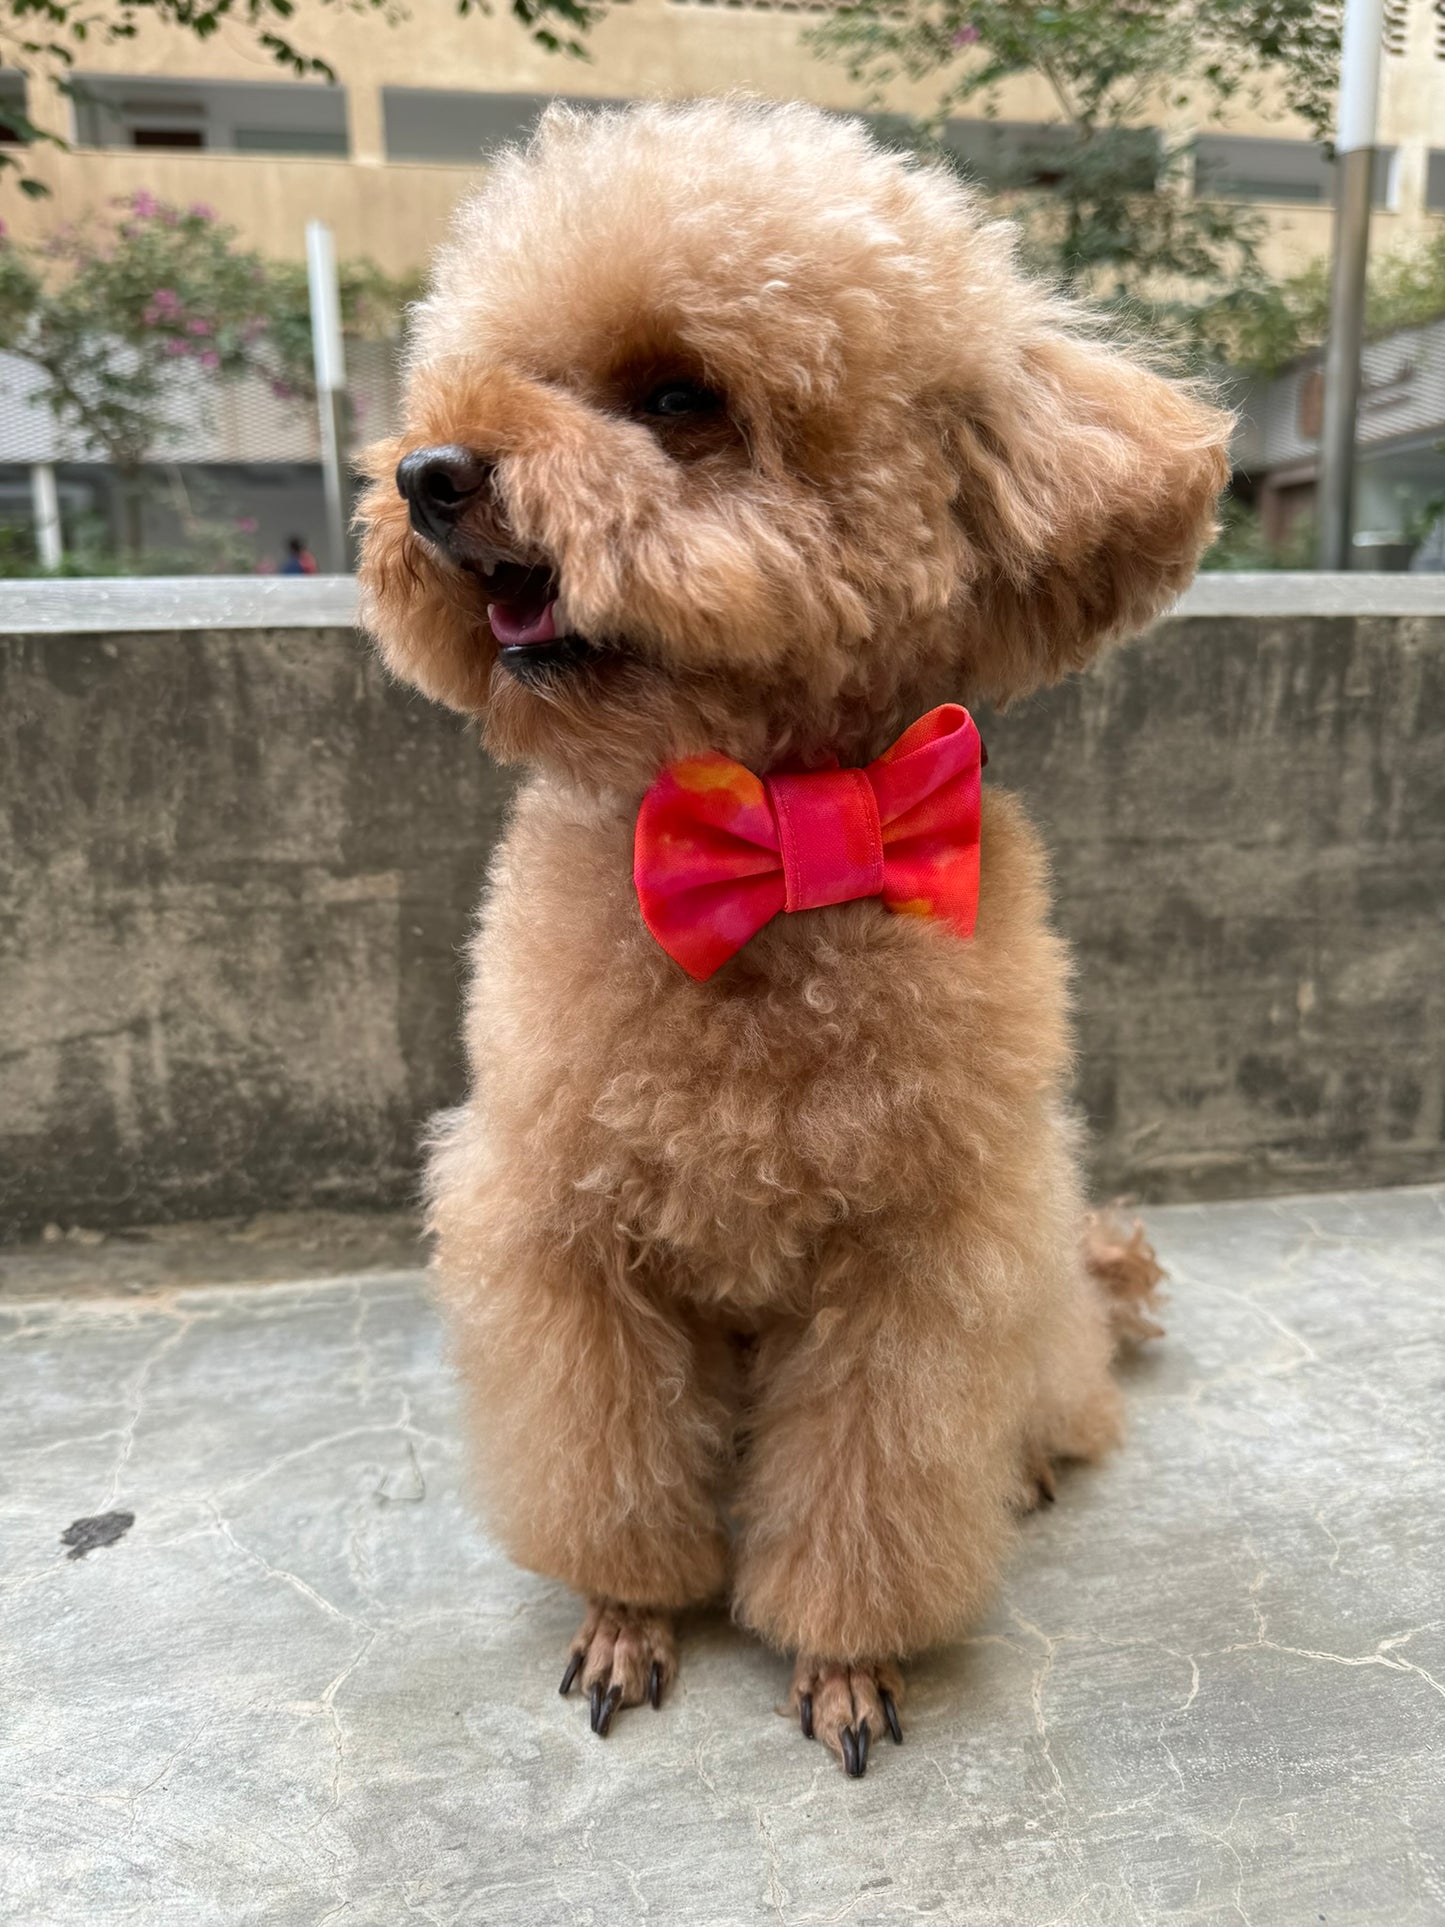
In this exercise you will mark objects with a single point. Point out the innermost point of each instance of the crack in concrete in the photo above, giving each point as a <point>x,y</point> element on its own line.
<point>327,1703</point>
<point>136,1397</point>
<point>1379,1657</point>
<point>777,1893</point>
<point>291,1579</point>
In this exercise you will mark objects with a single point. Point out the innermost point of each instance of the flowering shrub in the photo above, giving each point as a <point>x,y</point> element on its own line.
<point>132,316</point>
<point>106,308</point>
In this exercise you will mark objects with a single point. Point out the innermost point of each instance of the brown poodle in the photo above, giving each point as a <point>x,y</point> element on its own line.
<point>727,431</point>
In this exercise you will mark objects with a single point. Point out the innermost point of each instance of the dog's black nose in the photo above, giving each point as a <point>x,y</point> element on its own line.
<point>438,484</point>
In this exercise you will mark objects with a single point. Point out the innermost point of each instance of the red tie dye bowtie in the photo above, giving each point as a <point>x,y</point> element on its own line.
<point>719,851</point>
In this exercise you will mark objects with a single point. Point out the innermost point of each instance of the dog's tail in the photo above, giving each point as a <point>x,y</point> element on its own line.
<point>1122,1264</point>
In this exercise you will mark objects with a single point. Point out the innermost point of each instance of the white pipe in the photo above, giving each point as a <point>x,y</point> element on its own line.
<point>326,344</point>
<point>45,498</point>
<point>1354,164</point>
<point>1361,42</point>
<point>329,356</point>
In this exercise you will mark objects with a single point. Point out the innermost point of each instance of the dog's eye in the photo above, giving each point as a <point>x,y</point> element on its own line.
<point>674,399</point>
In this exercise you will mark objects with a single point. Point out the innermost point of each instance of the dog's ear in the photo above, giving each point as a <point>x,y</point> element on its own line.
<point>1086,491</point>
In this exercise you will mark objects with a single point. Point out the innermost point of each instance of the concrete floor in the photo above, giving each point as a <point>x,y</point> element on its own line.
<point>303,1688</point>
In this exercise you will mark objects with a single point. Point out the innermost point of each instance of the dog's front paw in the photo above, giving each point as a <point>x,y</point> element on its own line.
<point>847,1707</point>
<point>624,1655</point>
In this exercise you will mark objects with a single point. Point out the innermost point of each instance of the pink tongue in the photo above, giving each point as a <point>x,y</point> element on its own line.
<point>512,624</point>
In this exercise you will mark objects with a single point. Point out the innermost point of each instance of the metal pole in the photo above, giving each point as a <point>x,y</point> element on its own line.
<point>45,501</point>
<point>330,361</point>
<point>1354,170</point>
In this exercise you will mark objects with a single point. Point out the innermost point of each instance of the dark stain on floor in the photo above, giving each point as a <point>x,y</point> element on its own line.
<point>103,1530</point>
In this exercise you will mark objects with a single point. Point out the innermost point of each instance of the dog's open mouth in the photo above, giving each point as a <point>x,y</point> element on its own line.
<point>521,605</point>
<point>522,613</point>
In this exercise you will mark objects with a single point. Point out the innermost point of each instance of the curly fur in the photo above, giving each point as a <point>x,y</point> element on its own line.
<point>851,1145</point>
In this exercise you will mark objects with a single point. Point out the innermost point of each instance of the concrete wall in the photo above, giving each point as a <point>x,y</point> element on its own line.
<point>238,870</point>
<point>1247,819</point>
<point>239,867</point>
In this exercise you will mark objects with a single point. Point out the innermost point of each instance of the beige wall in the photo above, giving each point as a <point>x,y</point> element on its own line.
<point>394,212</point>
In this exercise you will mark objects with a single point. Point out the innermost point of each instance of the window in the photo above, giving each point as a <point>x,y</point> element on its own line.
<point>1232,167</point>
<point>1236,167</point>
<point>236,117</point>
<point>290,140</point>
<point>1435,181</point>
<point>1002,154</point>
<point>1382,178</point>
<point>167,137</point>
<point>12,108</point>
<point>435,124</point>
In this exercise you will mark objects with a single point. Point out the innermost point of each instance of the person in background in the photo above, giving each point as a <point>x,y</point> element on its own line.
<point>298,559</point>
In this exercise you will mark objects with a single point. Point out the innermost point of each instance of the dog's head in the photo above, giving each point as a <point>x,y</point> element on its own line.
<point>726,429</point>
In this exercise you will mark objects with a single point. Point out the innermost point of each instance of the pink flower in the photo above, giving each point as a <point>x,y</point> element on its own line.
<point>145,205</point>
<point>174,347</point>
<point>199,327</point>
<point>247,524</point>
<point>166,301</point>
<point>210,359</point>
<point>966,37</point>
<point>200,212</point>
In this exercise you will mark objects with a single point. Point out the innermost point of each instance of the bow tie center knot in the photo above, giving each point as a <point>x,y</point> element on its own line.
<point>829,836</point>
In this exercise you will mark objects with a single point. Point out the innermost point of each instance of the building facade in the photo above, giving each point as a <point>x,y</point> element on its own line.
<point>383,155</point>
<point>1399,511</point>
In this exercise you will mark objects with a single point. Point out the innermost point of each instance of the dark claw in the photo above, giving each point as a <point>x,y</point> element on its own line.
<point>890,1713</point>
<point>609,1707</point>
<point>596,1702</point>
<point>863,1738</point>
<point>1047,1495</point>
<point>654,1684</point>
<point>805,1714</point>
<point>574,1667</point>
<point>853,1760</point>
